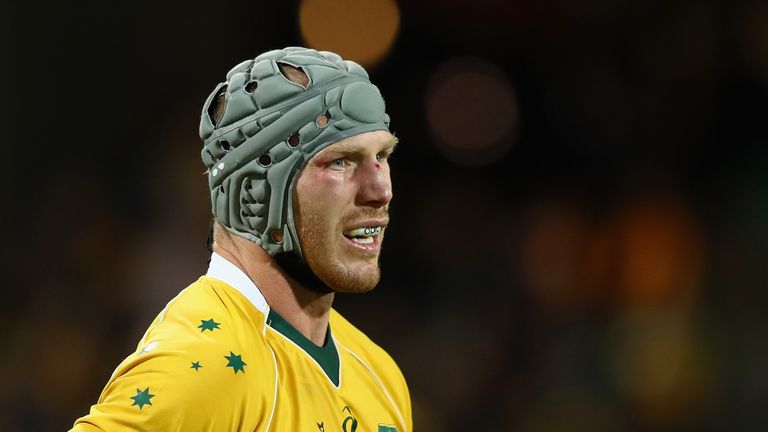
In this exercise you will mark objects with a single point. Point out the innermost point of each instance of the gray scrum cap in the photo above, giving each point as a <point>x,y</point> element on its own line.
<point>271,127</point>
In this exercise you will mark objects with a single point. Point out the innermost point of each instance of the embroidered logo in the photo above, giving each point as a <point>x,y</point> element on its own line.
<point>350,422</point>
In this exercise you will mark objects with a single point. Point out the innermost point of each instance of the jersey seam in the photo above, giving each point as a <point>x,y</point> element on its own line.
<point>277,383</point>
<point>381,384</point>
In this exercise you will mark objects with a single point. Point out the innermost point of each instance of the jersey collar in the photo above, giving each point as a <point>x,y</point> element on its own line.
<point>327,357</point>
<point>222,269</point>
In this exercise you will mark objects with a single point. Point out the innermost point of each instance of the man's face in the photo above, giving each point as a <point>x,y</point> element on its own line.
<point>341,205</point>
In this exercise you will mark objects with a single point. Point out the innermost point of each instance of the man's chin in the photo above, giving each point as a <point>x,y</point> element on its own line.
<point>359,278</point>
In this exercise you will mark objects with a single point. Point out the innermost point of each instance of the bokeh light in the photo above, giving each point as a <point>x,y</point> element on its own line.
<point>661,366</point>
<point>650,252</point>
<point>661,249</point>
<point>472,111</point>
<point>554,255</point>
<point>360,30</point>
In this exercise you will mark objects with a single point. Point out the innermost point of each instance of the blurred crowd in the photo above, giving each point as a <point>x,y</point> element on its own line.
<point>580,221</point>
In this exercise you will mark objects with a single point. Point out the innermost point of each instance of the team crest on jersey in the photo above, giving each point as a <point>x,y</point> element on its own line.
<point>349,424</point>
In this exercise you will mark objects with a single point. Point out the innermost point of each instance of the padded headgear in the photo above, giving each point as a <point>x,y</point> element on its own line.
<point>271,127</point>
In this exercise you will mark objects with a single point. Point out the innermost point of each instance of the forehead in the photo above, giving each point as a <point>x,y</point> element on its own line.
<point>368,141</point>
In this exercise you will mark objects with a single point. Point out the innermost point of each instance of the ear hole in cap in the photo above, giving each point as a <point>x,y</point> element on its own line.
<point>277,236</point>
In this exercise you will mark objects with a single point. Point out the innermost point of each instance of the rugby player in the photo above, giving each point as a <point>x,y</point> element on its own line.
<point>296,143</point>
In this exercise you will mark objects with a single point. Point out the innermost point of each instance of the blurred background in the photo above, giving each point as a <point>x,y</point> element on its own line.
<point>580,225</point>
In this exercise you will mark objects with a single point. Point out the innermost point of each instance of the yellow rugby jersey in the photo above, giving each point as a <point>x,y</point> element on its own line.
<point>217,358</point>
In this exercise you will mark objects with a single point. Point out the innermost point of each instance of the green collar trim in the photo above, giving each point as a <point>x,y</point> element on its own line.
<point>326,356</point>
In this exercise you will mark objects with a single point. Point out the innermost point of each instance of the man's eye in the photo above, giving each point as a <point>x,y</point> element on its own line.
<point>339,163</point>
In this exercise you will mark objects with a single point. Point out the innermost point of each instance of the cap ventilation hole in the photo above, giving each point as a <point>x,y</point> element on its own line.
<point>294,74</point>
<point>293,140</point>
<point>265,160</point>
<point>226,145</point>
<point>322,120</point>
<point>251,86</point>
<point>218,104</point>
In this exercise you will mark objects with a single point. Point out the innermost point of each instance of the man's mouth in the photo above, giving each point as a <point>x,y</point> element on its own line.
<point>364,235</point>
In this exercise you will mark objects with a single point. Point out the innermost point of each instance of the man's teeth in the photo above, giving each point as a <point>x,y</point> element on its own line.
<point>364,235</point>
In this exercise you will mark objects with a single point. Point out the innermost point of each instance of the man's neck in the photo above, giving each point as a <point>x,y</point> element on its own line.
<point>306,310</point>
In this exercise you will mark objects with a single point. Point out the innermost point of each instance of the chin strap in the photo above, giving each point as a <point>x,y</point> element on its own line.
<point>299,270</point>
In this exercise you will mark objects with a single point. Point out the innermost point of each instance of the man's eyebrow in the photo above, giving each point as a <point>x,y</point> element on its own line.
<point>347,149</point>
<point>394,142</point>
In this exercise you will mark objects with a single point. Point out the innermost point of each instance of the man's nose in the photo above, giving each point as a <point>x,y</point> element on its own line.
<point>376,185</point>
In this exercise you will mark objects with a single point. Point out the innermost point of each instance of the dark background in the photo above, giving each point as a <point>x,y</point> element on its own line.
<point>579,230</point>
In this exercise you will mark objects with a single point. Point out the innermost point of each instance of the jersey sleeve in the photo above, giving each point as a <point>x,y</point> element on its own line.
<point>188,378</point>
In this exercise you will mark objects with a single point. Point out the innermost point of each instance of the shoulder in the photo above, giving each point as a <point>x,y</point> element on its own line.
<point>373,357</point>
<point>203,363</point>
<point>207,297</point>
<point>356,341</point>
